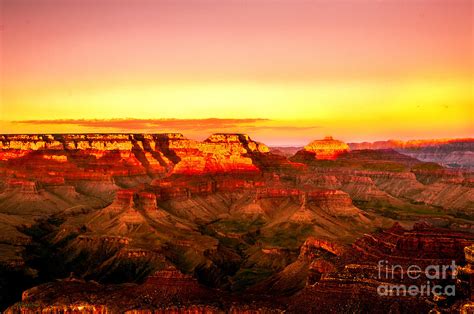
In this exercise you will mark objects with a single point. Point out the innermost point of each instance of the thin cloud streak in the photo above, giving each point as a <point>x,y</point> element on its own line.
<point>145,124</point>
<point>274,132</point>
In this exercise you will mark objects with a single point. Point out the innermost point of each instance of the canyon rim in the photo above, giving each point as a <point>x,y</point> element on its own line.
<point>243,157</point>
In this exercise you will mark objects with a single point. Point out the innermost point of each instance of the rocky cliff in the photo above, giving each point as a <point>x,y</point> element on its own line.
<point>387,176</point>
<point>326,276</point>
<point>132,154</point>
<point>170,224</point>
<point>327,148</point>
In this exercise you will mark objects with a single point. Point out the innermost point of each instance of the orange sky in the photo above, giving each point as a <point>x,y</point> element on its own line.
<point>285,72</point>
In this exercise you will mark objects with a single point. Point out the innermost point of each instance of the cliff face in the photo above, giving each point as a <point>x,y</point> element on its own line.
<point>311,244</point>
<point>218,153</point>
<point>98,156</point>
<point>167,215</point>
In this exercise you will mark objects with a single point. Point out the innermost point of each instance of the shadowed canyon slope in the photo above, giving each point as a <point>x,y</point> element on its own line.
<point>142,222</point>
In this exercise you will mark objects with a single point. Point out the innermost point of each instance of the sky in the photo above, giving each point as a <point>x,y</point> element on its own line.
<point>285,72</point>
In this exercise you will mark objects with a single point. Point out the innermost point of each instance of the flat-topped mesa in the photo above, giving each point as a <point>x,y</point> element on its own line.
<point>239,141</point>
<point>25,186</point>
<point>97,142</point>
<point>29,142</point>
<point>327,148</point>
<point>66,141</point>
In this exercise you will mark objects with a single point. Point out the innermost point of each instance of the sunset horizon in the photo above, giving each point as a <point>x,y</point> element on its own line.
<point>200,129</point>
<point>357,70</point>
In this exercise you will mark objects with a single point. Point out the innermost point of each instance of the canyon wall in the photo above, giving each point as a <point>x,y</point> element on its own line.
<point>131,154</point>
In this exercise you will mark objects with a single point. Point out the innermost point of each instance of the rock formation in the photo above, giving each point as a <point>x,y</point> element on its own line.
<point>327,148</point>
<point>133,154</point>
<point>455,153</point>
<point>161,222</point>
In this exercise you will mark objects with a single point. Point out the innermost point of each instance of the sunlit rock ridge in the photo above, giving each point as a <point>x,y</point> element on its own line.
<point>157,153</point>
<point>327,148</point>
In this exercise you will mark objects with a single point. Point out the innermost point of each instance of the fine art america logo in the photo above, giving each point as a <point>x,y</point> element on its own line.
<point>426,280</point>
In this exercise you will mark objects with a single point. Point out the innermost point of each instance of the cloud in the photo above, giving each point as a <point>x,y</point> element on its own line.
<point>287,128</point>
<point>146,124</point>
<point>132,124</point>
<point>271,132</point>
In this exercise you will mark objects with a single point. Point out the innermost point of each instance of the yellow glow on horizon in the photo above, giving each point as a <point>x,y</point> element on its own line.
<point>415,101</point>
<point>348,68</point>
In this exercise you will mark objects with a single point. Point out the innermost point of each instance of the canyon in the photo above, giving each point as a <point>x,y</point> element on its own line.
<point>143,223</point>
<point>451,153</point>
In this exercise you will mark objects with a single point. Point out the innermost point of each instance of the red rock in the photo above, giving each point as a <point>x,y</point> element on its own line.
<point>327,148</point>
<point>311,244</point>
<point>124,198</point>
<point>423,244</point>
<point>24,186</point>
<point>137,154</point>
<point>147,201</point>
<point>322,266</point>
